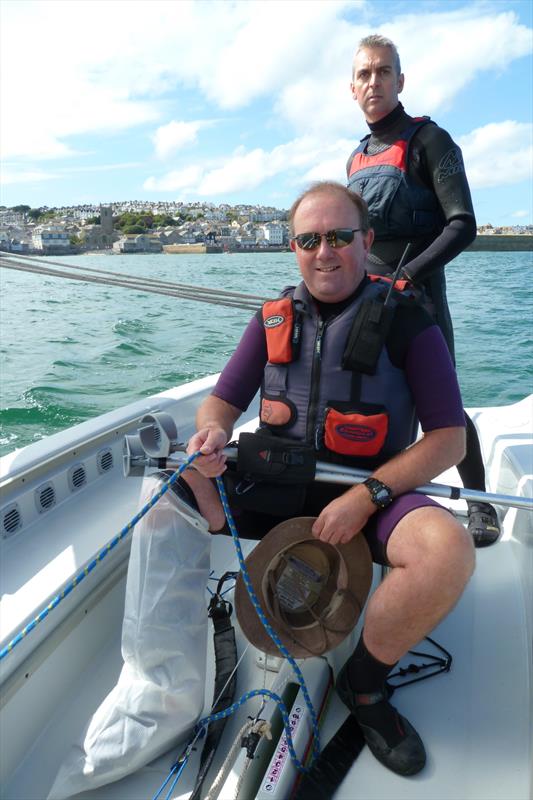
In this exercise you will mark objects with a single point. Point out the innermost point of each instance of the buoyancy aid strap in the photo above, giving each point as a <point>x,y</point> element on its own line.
<point>279,321</point>
<point>399,286</point>
<point>367,336</point>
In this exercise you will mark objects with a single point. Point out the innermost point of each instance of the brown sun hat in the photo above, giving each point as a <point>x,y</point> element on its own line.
<point>311,592</point>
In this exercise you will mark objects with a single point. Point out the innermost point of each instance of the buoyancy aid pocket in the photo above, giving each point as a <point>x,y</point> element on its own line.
<point>264,497</point>
<point>277,412</point>
<point>276,409</point>
<point>282,336</point>
<point>355,431</point>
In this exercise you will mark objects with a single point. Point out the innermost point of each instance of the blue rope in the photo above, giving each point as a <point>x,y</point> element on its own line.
<point>97,560</point>
<point>273,635</point>
<point>253,597</point>
<point>178,768</point>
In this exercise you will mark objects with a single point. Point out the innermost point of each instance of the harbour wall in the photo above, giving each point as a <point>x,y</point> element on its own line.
<point>501,242</point>
<point>492,242</point>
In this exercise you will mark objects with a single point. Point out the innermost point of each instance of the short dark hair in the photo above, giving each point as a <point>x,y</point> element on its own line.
<point>376,40</point>
<point>325,187</point>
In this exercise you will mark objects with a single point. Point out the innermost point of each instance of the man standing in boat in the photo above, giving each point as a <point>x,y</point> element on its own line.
<point>412,176</point>
<point>302,351</point>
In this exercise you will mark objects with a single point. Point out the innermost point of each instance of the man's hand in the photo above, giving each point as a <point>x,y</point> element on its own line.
<point>344,517</point>
<point>210,442</point>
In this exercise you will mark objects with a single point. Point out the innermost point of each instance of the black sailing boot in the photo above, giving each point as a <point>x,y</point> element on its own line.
<point>391,738</point>
<point>483,524</point>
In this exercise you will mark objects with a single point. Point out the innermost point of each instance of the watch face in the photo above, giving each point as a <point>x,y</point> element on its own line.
<point>382,495</point>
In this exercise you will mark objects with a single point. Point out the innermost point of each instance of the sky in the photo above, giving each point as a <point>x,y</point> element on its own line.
<point>218,101</point>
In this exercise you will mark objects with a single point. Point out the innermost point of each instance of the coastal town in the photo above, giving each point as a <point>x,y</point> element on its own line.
<point>174,227</point>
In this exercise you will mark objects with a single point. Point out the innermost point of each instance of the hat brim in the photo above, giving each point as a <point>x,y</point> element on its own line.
<point>313,639</point>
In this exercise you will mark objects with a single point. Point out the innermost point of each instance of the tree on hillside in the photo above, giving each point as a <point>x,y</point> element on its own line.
<point>164,221</point>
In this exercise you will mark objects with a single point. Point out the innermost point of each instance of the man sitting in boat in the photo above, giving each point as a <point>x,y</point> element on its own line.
<point>303,352</point>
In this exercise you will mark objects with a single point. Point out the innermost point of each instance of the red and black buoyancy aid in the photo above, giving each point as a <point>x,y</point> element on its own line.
<point>308,395</point>
<point>398,206</point>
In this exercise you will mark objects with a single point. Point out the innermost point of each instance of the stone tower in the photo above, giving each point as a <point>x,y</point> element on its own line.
<point>106,220</point>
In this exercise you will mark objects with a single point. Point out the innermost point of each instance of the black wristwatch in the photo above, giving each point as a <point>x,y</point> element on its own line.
<point>380,493</point>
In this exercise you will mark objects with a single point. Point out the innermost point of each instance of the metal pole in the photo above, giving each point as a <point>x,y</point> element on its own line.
<point>335,473</point>
<point>350,476</point>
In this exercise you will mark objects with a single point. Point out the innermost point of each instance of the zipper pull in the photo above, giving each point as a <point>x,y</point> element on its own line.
<point>320,431</point>
<point>318,343</point>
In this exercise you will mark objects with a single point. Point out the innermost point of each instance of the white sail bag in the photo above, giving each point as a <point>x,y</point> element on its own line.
<point>159,695</point>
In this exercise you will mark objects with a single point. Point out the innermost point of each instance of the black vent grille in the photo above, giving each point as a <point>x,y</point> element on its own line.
<point>46,497</point>
<point>78,477</point>
<point>104,460</point>
<point>11,520</point>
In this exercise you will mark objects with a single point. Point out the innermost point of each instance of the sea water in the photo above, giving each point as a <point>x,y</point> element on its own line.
<point>72,350</point>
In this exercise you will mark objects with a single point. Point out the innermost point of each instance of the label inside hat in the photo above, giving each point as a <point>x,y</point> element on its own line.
<point>299,585</point>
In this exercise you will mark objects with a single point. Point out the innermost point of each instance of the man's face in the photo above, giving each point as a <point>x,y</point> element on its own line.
<point>376,84</point>
<point>331,274</point>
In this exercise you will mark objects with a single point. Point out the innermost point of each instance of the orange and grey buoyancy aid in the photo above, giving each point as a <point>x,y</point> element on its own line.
<point>309,396</point>
<point>398,206</point>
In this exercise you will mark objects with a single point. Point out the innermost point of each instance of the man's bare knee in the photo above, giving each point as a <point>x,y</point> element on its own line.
<point>430,538</point>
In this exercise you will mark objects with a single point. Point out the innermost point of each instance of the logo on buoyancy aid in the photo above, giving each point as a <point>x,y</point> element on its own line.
<point>274,320</point>
<point>355,433</point>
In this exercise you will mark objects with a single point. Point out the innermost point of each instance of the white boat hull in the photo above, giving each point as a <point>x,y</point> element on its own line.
<point>65,498</point>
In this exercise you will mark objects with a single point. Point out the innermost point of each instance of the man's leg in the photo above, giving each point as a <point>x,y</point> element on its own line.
<point>483,523</point>
<point>432,558</point>
<point>207,498</point>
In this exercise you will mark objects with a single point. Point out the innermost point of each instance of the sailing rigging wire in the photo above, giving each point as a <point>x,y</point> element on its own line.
<point>202,294</point>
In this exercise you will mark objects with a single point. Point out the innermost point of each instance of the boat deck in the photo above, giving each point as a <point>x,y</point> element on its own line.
<point>476,720</point>
<point>472,719</point>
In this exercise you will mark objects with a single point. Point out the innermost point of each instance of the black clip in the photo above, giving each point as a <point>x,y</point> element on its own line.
<point>250,742</point>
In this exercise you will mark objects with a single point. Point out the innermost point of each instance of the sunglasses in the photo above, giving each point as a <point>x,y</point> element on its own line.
<point>338,237</point>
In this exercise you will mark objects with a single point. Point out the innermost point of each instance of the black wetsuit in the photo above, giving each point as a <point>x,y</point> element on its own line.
<point>435,162</point>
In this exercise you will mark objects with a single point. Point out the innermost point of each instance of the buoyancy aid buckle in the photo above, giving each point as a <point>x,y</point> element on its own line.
<point>263,456</point>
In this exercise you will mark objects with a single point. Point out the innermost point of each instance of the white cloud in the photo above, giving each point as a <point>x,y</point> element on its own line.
<point>457,47</point>
<point>170,138</point>
<point>498,154</point>
<point>86,73</point>
<point>102,167</point>
<point>12,176</point>
<point>301,160</point>
<point>179,179</point>
<point>69,71</point>
<point>520,214</point>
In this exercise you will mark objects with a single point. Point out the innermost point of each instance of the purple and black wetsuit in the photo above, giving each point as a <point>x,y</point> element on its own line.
<point>416,345</point>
